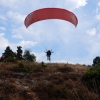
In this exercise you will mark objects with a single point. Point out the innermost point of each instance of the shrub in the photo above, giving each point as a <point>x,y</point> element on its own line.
<point>96,61</point>
<point>28,56</point>
<point>10,59</point>
<point>23,68</point>
<point>43,64</point>
<point>92,77</point>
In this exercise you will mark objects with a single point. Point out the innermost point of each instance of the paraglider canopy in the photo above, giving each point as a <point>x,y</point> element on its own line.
<point>50,13</point>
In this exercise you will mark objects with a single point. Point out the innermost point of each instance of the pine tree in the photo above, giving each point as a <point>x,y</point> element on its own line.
<point>19,52</point>
<point>8,52</point>
<point>28,56</point>
<point>96,61</point>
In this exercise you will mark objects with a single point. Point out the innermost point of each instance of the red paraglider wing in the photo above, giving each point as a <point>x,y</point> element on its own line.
<point>50,13</point>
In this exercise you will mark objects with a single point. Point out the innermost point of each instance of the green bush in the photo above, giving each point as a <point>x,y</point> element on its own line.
<point>92,76</point>
<point>43,64</point>
<point>10,59</point>
<point>23,68</point>
<point>96,61</point>
<point>29,56</point>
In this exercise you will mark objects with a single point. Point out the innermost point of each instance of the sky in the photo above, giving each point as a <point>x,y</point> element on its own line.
<point>70,44</point>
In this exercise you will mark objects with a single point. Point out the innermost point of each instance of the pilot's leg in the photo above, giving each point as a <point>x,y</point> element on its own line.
<point>47,58</point>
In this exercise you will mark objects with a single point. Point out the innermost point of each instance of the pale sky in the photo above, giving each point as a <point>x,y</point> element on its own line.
<point>71,44</point>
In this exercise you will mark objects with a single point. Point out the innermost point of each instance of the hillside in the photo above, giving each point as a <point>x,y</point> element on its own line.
<point>41,81</point>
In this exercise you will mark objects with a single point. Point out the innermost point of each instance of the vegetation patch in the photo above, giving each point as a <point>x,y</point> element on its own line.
<point>22,68</point>
<point>92,79</point>
<point>65,68</point>
<point>49,91</point>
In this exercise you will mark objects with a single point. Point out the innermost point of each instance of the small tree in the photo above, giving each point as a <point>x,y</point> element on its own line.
<point>96,61</point>
<point>8,52</point>
<point>9,55</point>
<point>28,56</point>
<point>19,52</point>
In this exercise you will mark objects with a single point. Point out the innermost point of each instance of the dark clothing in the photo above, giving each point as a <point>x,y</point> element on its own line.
<point>48,53</point>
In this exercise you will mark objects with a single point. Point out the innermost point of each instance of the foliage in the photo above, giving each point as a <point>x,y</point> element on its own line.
<point>23,68</point>
<point>19,52</point>
<point>28,56</point>
<point>10,56</point>
<point>10,59</point>
<point>96,61</point>
<point>92,76</point>
<point>9,53</point>
<point>43,64</point>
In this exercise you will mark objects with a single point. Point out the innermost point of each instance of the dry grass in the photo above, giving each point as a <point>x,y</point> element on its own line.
<point>52,82</point>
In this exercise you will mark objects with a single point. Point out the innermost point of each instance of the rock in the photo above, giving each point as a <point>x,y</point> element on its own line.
<point>31,81</point>
<point>18,74</point>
